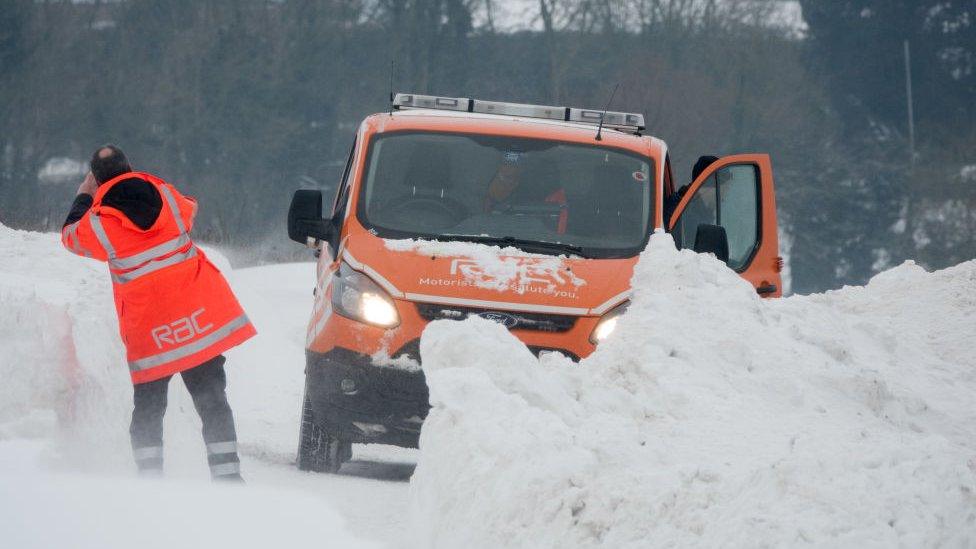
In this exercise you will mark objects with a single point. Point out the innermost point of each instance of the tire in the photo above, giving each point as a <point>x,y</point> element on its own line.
<point>319,450</point>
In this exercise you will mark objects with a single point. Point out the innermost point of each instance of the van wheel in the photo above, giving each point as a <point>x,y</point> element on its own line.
<point>319,450</point>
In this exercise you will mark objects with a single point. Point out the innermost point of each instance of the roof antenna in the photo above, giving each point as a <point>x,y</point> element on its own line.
<point>599,128</point>
<point>391,87</point>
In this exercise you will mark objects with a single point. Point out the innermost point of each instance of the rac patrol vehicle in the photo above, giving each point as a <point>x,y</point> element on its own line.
<point>573,194</point>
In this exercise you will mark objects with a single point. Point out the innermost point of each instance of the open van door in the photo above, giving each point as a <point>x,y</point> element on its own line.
<point>730,210</point>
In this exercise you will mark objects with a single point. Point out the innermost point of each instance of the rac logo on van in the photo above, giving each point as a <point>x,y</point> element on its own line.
<point>515,273</point>
<point>180,330</point>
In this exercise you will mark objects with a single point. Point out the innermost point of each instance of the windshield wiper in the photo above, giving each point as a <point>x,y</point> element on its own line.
<point>537,246</point>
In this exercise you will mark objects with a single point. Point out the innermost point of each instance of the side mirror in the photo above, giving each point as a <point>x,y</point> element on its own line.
<point>305,222</point>
<point>711,239</point>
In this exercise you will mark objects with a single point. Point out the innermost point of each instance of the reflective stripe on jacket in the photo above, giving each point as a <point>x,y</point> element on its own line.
<point>175,309</point>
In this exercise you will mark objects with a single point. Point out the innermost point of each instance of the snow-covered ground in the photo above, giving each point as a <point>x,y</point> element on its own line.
<point>65,399</point>
<point>46,510</point>
<point>711,418</point>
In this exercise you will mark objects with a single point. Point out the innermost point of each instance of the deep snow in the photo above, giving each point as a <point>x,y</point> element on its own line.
<point>710,418</point>
<point>70,510</point>
<point>65,400</point>
<point>713,418</point>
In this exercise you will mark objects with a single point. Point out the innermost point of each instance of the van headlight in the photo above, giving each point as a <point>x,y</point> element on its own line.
<point>356,296</point>
<point>608,323</point>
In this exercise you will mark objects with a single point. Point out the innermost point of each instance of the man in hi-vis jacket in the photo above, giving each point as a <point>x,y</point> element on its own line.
<point>176,312</point>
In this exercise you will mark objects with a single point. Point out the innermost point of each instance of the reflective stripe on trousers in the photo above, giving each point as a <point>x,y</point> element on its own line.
<point>230,468</point>
<point>217,448</point>
<point>149,460</point>
<point>148,452</point>
<point>190,348</point>
<point>222,457</point>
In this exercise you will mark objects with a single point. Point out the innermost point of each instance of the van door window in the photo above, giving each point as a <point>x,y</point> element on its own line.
<point>342,193</point>
<point>341,200</point>
<point>701,210</point>
<point>738,211</point>
<point>730,198</point>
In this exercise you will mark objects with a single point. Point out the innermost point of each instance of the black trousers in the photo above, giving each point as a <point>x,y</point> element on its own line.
<point>206,384</point>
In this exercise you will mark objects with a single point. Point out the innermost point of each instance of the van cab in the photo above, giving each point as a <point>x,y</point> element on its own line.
<point>532,216</point>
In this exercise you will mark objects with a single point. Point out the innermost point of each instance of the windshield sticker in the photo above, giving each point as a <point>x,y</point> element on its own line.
<point>512,157</point>
<point>639,176</point>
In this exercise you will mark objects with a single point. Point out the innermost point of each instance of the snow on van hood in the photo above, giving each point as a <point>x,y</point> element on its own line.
<point>504,278</point>
<point>712,418</point>
<point>495,267</point>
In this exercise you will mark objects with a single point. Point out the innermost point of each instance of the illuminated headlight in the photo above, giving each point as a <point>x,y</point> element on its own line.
<point>356,296</point>
<point>608,323</point>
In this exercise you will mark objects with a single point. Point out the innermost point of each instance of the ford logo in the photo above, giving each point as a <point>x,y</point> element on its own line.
<point>504,319</point>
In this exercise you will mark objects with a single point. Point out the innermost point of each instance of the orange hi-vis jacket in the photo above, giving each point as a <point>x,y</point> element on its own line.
<point>175,309</point>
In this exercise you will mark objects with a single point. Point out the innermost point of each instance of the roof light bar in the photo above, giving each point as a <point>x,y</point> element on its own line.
<point>618,120</point>
<point>610,118</point>
<point>519,109</point>
<point>414,101</point>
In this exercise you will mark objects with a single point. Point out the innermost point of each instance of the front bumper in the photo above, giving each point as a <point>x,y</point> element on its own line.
<point>365,403</point>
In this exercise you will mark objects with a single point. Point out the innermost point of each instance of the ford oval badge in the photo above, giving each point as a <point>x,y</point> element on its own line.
<point>504,319</point>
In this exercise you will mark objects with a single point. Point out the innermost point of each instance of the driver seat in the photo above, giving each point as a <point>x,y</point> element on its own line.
<point>428,179</point>
<point>429,175</point>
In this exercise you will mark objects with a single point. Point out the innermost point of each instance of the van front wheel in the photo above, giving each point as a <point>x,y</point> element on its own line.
<point>319,450</point>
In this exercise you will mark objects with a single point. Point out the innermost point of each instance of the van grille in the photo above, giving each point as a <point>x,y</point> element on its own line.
<point>412,350</point>
<point>513,320</point>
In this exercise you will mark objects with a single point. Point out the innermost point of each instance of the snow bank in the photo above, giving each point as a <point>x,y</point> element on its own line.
<point>62,361</point>
<point>712,418</point>
<point>108,513</point>
<point>66,470</point>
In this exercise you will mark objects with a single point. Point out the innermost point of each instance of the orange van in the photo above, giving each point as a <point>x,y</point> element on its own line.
<point>529,215</point>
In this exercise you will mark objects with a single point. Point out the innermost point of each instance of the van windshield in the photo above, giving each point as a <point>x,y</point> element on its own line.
<point>539,195</point>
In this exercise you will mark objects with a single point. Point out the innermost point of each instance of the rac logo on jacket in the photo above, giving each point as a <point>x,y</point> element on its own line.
<point>180,330</point>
